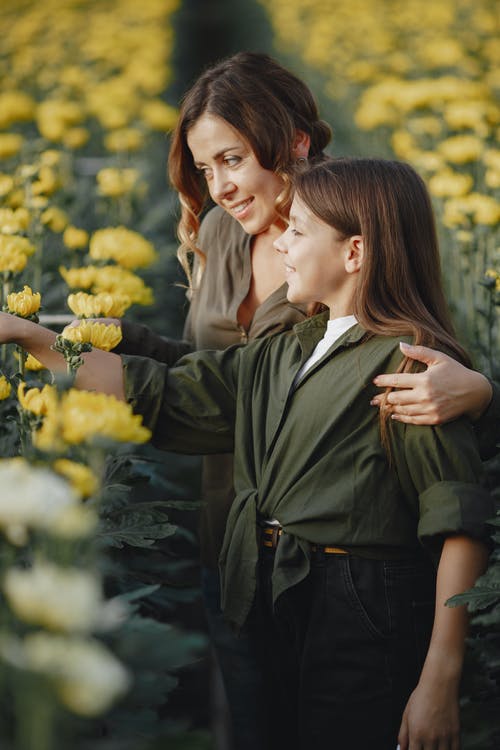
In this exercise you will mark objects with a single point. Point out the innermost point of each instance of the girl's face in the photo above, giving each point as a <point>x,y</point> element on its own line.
<point>315,256</point>
<point>235,179</point>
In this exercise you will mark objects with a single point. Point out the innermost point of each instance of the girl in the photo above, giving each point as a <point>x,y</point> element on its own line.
<point>339,516</point>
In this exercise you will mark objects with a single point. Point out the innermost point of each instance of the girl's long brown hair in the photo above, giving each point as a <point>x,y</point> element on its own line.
<point>399,289</point>
<point>266,104</point>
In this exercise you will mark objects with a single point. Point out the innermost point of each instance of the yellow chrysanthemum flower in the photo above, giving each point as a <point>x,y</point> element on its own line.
<point>75,137</point>
<point>5,388</point>
<point>450,184</point>
<point>74,238</point>
<point>159,115</point>
<point>78,278</point>
<point>117,279</point>
<point>32,364</point>
<point>124,139</point>
<point>114,182</point>
<point>10,144</point>
<point>83,416</point>
<point>47,183</point>
<point>24,303</point>
<point>128,248</point>
<point>14,220</point>
<point>55,219</point>
<point>101,305</point>
<point>6,184</point>
<point>12,258</point>
<point>15,106</point>
<point>461,149</point>
<point>100,335</point>
<point>36,400</point>
<point>81,478</point>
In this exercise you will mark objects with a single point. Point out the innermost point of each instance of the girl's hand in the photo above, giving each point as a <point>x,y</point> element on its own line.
<point>445,391</point>
<point>431,719</point>
<point>11,328</point>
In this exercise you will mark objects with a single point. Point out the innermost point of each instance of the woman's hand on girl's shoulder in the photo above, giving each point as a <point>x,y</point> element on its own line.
<point>444,391</point>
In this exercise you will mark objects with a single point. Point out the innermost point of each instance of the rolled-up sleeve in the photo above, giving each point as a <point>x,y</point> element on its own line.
<point>488,426</point>
<point>191,407</point>
<point>440,468</point>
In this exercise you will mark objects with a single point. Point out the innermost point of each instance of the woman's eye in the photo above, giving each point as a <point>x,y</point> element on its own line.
<point>205,172</point>
<point>295,232</point>
<point>231,161</point>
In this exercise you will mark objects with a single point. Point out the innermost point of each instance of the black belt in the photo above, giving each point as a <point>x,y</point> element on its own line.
<point>271,534</point>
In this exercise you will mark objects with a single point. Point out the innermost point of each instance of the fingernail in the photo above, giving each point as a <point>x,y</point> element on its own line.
<point>373,402</point>
<point>403,345</point>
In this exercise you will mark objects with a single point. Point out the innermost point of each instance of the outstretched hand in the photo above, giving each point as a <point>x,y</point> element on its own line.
<point>444,391</point>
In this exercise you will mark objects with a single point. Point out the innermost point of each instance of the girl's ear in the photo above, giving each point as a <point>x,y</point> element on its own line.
<point>301,145</point>
<point>354,253</point>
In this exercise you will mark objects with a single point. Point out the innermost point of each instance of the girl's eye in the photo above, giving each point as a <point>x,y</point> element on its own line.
<point>295,232</point>
<point>231,161</point>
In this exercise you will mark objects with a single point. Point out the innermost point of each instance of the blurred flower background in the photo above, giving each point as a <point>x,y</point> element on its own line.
<point>100,619</point>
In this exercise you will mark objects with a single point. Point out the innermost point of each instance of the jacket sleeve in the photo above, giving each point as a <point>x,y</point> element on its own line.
<point>488,426</point>
<point>440,467</point>
<point>190,408</point>
<point>140,340</point>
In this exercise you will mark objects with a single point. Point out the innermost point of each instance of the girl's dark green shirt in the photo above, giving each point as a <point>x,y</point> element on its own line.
<point>312,456</point>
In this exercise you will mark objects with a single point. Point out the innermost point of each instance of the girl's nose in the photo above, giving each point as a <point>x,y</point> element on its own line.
<point>279,244</point>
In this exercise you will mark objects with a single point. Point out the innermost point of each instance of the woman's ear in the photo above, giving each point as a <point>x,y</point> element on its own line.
<point>301,145</point>
<point>354,253</point>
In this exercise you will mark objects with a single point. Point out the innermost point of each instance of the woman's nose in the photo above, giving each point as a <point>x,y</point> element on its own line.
<point>221,185</point>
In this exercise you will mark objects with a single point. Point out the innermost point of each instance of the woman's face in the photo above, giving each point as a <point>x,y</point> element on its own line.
<point>235,179</point>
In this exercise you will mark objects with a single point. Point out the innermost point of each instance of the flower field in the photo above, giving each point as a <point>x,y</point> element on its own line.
<point>83,124</point>
<point>87,650</point>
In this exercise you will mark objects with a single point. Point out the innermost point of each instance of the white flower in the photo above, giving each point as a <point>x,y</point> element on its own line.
<point>31,497</point>
<point>86,676</point>
<point>66,599</point>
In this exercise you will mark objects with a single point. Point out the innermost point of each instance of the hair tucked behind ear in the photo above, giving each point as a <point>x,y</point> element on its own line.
<point>267,105</point>
<point>399,289</point>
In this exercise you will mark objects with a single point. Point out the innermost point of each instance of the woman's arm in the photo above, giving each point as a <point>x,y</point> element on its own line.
<point>431,717</point>
<point>444,391</point>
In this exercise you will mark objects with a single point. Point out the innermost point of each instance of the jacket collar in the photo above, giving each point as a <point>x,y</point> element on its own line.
<point>312,330</point>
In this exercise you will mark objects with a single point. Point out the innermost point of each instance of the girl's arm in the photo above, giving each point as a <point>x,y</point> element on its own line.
<point>101,371</point>
<point>444,391</point>
<point>431,717</point>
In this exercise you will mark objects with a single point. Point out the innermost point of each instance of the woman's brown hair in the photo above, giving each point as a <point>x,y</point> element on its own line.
<point>399,290</point>
<point>266,103</point>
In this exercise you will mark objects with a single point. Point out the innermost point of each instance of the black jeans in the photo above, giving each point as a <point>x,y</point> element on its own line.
<point>342,651</point>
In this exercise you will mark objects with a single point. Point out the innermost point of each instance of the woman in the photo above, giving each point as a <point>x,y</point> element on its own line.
<point>328,550</point>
